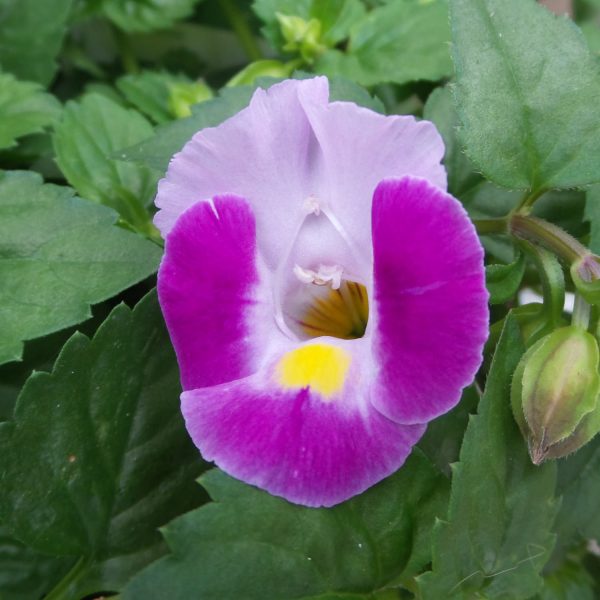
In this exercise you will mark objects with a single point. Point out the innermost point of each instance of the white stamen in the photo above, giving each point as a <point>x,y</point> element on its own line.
<point>326,275</point>
<point>311,206</point>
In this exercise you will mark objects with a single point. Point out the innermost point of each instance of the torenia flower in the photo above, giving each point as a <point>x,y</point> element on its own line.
<point>324,295</point>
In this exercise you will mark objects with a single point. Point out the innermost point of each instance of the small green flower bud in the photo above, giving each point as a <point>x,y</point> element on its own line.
<point>262,68</point>
<point>554,393</point>
<point>182,96</point>
<point>301,36</point>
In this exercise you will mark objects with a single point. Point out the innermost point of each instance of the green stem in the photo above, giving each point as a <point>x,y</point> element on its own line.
<point>128,57</point>
<point>528,201</point>
<point>61,589</point>
<point>487,226</point>
<point>240,25</point>
<point>551,237</point>
<point>581,313</point>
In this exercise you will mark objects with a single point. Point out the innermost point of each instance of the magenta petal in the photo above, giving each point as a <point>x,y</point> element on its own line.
<point>292,443</point>
<point>208,286</point>
<point>430,308</point>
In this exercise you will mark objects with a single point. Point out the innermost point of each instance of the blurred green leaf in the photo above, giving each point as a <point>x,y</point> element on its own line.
<point>58,255</point>
<point>403,41</point>
<point>26,574</point>
<point>90,133</point>
<point>570,582</point>
<point>96,457</point>
<point>592,215</point>
<point>527,91</point>
<point>149,92</point>
<point>31,35</point>
<point>248,544</point>
<point>497,535</point>
<point>24,109</point>
<point>503,281</point>
<point>146,15</point>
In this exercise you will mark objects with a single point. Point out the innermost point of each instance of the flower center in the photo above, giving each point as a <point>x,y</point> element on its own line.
<point>329,305</point>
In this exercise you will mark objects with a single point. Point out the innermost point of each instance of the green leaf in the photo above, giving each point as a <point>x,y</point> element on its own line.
<point>96,457</point>
<point>579,484</point>
<point>527,90</point>
<point>171,137</point>
<point>86,139</point>
<point>24,109</point>
<point>497,535</point>
<point>146,15</point>
<point>503,281</point>
<point>592,214</point>
<point>26,574</point>
<point>403,41</point>
<point>58,255</point>
<point>248,544</point>
<point>570,582</point>
<point>441,111</point>
<point>336,17</point>
<point>149,92</point>
<point>31,34</point>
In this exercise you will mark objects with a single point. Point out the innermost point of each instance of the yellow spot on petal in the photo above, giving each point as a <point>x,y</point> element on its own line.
<point>321,367</point>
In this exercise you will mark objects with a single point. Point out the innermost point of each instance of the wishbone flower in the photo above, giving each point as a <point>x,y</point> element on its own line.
<point>325,296</point>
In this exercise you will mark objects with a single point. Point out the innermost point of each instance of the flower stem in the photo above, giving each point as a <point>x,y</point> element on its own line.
<point>551,237</point>
<point>61,589</point>
<point>581,313</point>
<point>240,25</point>
<point>486,226</point>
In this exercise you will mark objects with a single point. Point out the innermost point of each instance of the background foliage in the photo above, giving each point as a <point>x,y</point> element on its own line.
<point>98,490</point>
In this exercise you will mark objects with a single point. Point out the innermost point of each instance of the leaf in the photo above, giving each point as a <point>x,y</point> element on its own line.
<point>26,574</point>
<point>58,255</point>
<point>149,92</point>
<point>146,15</point>
<point>31,34</point>
<point>441,111</point>
<point>592,214</point>
<point>570,581</point>
<point>527,89</point>
<point>336,17</point>
<point>24,109</point>
<point>403,41</point>
<point>85,140</point>
<point>503,281</point>
<point>497,535</point>
<point>171,137</point>
<point>248,544</point>
<point>579,484</point>
<point>96,457</point>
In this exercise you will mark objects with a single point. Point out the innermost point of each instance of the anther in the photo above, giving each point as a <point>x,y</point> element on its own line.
<point>325,275</point>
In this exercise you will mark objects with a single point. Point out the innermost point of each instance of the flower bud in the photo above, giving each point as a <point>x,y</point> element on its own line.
<point>554,393</point>
<point>301,36</point>
<point>182,96</point>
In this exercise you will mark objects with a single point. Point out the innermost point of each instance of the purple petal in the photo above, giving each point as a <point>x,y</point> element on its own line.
<point>292,442</point>
<point>360,148</point>
<point>265,153</point>
<point>430,310</point>
<point>211,294</point>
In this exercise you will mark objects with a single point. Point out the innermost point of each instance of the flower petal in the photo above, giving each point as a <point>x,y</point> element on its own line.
<point>315,448</point>
<point>265,153</point>
<point>360,148</point>
<point>430,311</point>
<point>214,302</point>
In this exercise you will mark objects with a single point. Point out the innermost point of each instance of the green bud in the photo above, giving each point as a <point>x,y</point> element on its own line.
<point>301,36</point>
<point>262,68</point>
<point>585,273</point>
<point>182,96</point>
<point>554,393</point>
